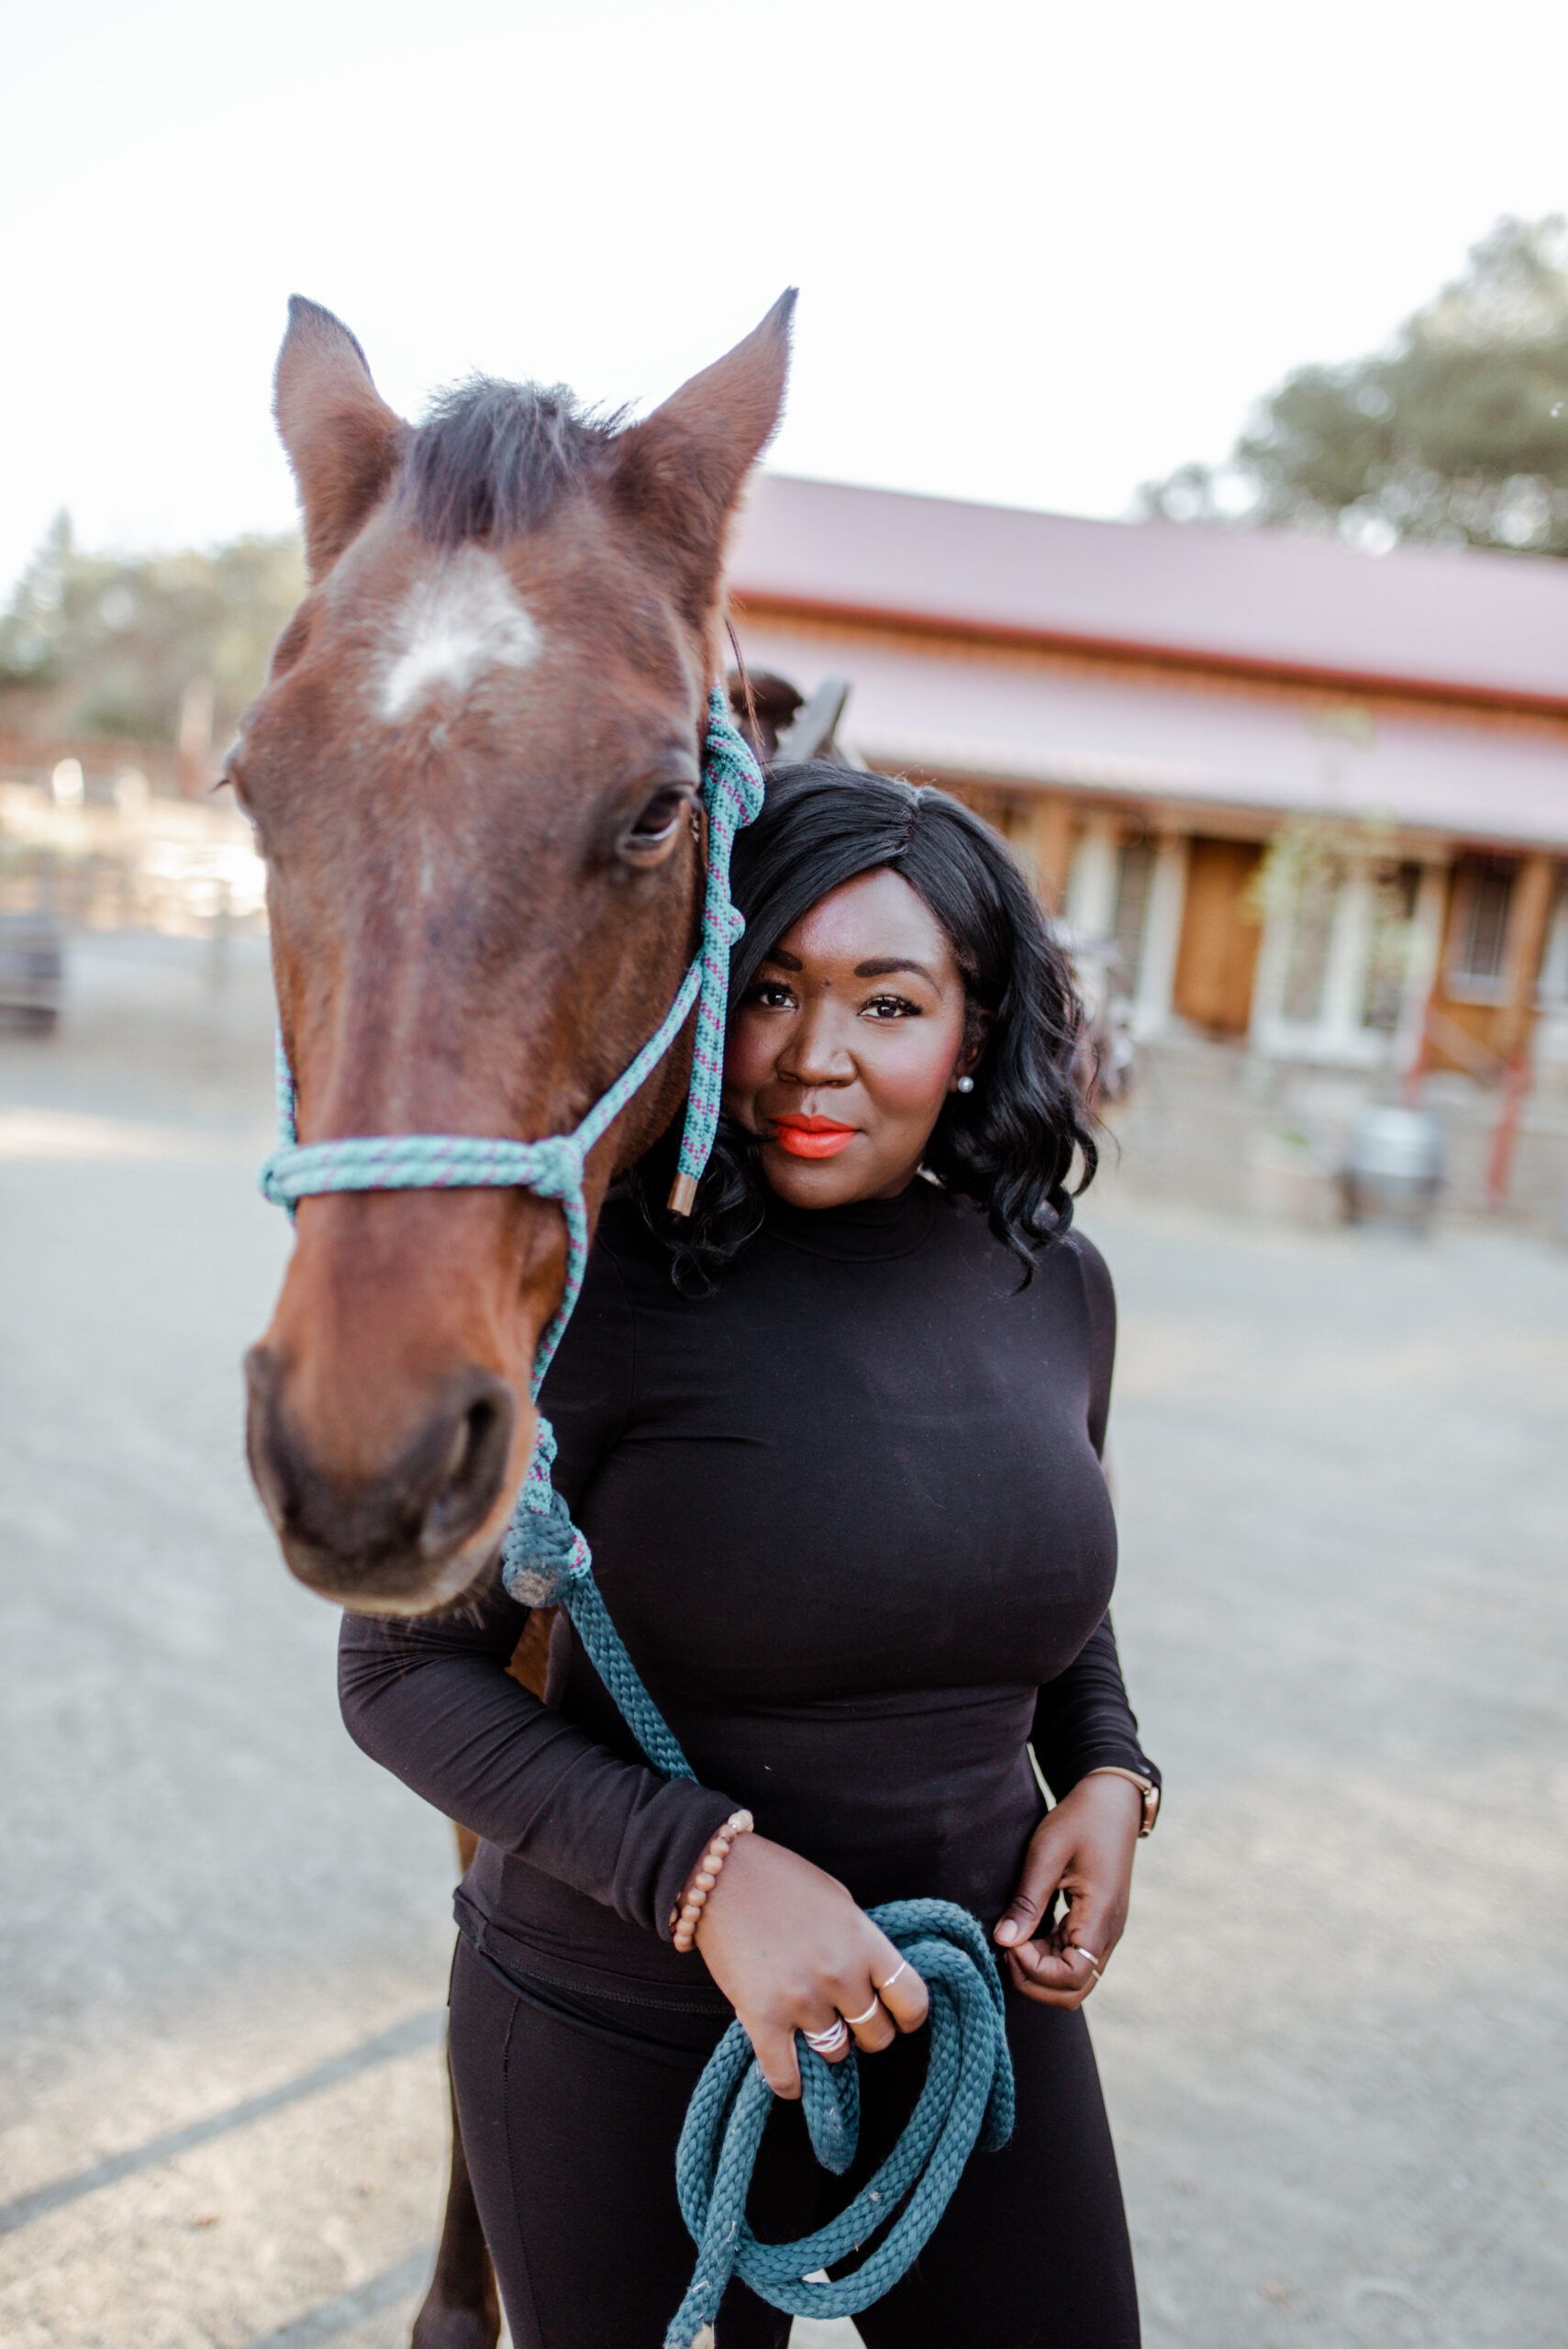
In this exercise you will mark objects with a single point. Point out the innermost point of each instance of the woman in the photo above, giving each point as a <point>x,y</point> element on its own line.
<point>833,1443</point>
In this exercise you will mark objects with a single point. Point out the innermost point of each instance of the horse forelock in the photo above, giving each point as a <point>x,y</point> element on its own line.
<point>492,458</point>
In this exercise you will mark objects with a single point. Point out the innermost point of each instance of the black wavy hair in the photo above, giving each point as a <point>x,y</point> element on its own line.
<point>1011,1144</point>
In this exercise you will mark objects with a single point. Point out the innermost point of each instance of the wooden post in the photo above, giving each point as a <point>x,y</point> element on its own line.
<point>1042,837</point>
<point>1412,1040</point>
<point>1529,914</point>
<point>1505,1134</point>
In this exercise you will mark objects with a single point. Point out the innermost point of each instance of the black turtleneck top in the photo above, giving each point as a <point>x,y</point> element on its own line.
<point>848,1515</point>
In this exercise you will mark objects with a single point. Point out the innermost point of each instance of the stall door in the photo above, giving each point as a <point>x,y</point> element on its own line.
<point>1219,951</point>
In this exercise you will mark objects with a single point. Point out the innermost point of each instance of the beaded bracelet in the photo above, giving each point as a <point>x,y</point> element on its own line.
<point>705,1876</point>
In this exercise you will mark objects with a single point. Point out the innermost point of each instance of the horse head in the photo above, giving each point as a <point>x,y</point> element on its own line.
<point>474,771</point>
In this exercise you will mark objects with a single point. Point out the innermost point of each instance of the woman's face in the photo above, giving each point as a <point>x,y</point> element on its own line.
<point>847,1043</point>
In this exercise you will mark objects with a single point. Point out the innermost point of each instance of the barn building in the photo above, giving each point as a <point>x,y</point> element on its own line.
<point>1316,801</point>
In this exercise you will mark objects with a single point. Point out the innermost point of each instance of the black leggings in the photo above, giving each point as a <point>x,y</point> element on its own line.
<point>572,2106</point>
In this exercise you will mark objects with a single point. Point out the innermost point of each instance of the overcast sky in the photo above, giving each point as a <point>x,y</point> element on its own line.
<point>1044,252</point>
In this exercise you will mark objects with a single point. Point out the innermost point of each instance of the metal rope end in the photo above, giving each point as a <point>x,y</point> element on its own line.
<point>683,1195</point>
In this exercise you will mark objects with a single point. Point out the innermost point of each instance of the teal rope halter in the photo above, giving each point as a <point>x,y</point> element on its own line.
<point>544,1562</point>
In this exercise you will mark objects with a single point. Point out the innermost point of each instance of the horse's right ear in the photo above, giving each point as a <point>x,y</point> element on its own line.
<point>343,439</point>
<point>680,470</point>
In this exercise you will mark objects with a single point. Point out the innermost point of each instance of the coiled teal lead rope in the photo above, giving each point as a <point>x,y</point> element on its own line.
<point>968,2092</point>
<point>967,2099</point>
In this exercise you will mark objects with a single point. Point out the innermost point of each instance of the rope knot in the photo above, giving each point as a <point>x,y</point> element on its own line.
<point>557,1166</point>
<point>270,1174</point>
<point>543,1553</point>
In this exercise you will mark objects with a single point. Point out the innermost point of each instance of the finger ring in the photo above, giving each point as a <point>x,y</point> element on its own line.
<point>855,2021</point>
<point>1093,1960</point>
<point>827,2042</point>
<point>902,1967</point>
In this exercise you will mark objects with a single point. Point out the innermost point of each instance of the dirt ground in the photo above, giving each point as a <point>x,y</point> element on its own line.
<point>1334,2041</point>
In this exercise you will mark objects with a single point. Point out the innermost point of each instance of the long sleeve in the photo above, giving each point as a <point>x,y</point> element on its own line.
<point>432,1701</point>
<point>1099,1311</point>
<point>1083,1718</point>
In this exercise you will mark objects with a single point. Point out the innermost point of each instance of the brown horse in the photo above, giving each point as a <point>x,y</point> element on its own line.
<point>474,768</point>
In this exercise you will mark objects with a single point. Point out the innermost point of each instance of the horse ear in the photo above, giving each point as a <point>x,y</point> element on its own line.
<point>680,470</point>
<point>343,439</point>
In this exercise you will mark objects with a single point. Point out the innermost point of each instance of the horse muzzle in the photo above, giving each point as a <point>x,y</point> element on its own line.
<point>407,1529</point>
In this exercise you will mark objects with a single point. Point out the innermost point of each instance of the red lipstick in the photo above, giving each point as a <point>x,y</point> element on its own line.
<point>811,1137</point>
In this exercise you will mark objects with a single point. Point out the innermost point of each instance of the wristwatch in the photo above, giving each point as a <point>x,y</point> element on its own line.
<point>1146,1788</point>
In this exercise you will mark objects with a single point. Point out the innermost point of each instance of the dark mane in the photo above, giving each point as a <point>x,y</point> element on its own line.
<point>491,459</point>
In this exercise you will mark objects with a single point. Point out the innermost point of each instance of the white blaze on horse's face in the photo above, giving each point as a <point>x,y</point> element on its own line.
<point>452,627</point>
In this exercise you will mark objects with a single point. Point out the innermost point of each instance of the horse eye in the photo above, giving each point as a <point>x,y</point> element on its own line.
<point>661,816</point>
<point>657,823</point>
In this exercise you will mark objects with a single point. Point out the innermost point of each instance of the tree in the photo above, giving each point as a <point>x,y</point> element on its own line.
<point>1456,432</point>
<point>110,644</point>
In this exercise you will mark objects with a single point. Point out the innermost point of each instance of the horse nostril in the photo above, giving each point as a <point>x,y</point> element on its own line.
<point>382,1530</point>
<point>473,1474</point>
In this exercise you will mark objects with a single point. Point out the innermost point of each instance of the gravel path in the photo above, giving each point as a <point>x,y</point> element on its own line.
<point>1334,2041</point>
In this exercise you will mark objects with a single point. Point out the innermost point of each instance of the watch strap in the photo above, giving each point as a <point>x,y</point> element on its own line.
<point>1146,1788</point>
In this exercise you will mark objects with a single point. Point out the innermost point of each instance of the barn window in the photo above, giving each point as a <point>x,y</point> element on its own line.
<point>1483,888</point>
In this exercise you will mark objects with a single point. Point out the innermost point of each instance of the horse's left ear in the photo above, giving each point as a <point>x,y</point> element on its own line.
<point>680,470</point>
<point>343,439</point>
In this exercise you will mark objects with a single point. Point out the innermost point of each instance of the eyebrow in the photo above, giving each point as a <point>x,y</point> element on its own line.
<point>880,966</point>
<point>883,966</point>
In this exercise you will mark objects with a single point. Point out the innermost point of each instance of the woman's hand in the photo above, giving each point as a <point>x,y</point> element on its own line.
<point>1084,1849</point>
<point>790,1951</point>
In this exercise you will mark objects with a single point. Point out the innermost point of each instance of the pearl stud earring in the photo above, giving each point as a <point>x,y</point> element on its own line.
<point>964,1085</point>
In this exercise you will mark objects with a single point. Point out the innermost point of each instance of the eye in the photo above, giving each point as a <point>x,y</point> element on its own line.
<point>657,825</point>
<point>892,1007</point>
<point>230,776</point>
<point>770,994</point>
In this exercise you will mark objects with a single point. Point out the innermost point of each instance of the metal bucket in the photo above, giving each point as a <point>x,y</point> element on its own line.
<point>1394,1168</point>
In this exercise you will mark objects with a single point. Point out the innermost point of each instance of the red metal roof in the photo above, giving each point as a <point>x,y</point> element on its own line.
<point>938,710</point>
<point>1427,619</point>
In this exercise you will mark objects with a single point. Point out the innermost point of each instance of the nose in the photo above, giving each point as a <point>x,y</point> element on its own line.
<point>392,1537</point>
<point>815,1052</point>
